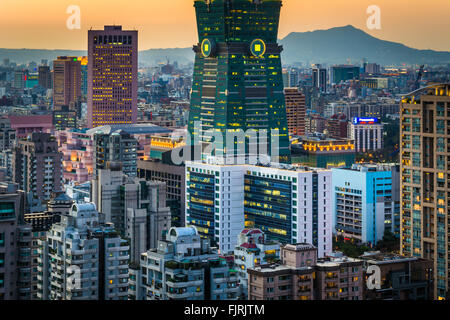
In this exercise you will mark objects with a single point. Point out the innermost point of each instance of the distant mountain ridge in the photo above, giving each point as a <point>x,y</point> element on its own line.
<point>332,46</point>
<point>336,45</point>
<point>151,56</point>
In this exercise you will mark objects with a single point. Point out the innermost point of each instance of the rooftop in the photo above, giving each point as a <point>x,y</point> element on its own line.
<point>299,247</point>
<point>269,268</point>
<point>380,257</point>
<point>336,262</point>
<point>131,129</point>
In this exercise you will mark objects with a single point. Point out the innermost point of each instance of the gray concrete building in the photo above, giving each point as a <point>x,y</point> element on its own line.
<point>83,258</point>
<point>118,146</point>
<point>136,207</point>
<point>37,166</point>
<point>15,245</point>
<point>183,267</point>
<point>175,178</point>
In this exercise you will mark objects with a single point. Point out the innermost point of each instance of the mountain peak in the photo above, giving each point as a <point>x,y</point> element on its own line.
<point>340,44</point>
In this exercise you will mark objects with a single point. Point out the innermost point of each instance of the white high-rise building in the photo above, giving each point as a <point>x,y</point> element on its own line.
<point>367,133</point>
<point>289,204</point>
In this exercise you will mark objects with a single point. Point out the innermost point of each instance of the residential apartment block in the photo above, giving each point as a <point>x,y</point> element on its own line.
<point>253,249</point>
<point>183,267</point>
<point>37,166</point>
<point>366,202</point>
<point>425,179</point>
<point>83,258</point>
<point>293,279</point>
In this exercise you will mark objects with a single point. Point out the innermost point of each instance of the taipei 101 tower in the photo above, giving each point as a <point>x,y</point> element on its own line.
<point>237,83</point>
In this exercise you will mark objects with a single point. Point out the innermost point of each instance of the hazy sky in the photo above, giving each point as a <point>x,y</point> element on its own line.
<point>171,23</point>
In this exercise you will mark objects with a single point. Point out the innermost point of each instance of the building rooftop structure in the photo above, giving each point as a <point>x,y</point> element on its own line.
<point>378,257</point>
<point>335,262</point>
<point>365,167</point>
<point>131,129</point>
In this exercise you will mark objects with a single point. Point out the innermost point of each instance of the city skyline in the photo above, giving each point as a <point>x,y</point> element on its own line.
<point>160,26</point>
<point>261,171</point>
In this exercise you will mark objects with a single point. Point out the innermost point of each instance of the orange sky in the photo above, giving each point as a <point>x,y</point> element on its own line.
<point>171,23</point>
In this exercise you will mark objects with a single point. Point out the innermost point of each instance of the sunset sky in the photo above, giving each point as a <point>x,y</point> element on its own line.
<point>41,24</point>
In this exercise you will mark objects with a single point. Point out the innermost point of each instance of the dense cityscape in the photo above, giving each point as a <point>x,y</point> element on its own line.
<point>234,176</point>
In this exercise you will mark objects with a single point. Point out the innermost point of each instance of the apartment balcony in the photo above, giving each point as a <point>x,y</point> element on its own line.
<point>226,279</point>
<point>232,289</point>
<point>77,262</point>
<point>56,284</point>
<point>179,296</point>
<point>79,252</point>
<point>182,284</point>
<point>220,291</point>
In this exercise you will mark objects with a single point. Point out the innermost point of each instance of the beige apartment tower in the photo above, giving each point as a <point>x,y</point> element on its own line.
<point>425,179</point>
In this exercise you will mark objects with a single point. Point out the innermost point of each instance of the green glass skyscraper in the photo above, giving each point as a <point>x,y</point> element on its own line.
<point>237,83</point>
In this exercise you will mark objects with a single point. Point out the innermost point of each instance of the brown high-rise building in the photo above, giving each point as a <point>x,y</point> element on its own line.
<point>37,166</point>
<point>291,280</point>
<point>339,279</point>
<point>45,77</point>
<point>337,126</point>
<point>302,276</point>
<point>295,111</point>
<point>425,179</point>
<point>66,82</point>
<point>112,76</point>
<point>402,278</point>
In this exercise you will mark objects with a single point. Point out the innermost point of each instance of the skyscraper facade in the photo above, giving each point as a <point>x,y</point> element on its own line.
<point>45,77</point>
<point>319,76</point>
<point>288,204</point>
<point>84,76</point>
<point>295,111</point>
<point>237,83</point>
<point>66,81</point>
<point>425,179</point>
<point>37,166</point>
<point>112,76</point>
<point>118,146</point>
